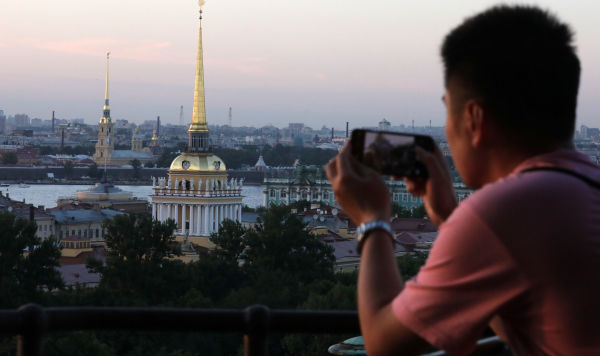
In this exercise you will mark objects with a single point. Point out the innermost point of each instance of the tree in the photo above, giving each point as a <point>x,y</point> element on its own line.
<point>94,172</point>
<point>137,238</point>
<point>27,264</point>
<point>402,212</point>
<point>9,158</point>
<point>165,158</point>
<point>136,164</point>
<point>68,169</point>
<point>229,241</point>
<point>281,243</point>
<point>138,267</point>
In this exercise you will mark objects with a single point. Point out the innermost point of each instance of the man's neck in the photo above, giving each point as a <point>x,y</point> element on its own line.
<point>502,162</point>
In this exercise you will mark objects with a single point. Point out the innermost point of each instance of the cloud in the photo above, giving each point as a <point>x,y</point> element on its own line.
<point>145,51</point>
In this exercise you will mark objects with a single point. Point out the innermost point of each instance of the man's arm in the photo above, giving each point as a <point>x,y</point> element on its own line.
<point>363,195</point>
<point>379,282</point>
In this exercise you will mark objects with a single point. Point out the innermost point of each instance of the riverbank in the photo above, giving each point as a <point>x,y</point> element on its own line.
<point>116,175</point>
<point>47,194</point>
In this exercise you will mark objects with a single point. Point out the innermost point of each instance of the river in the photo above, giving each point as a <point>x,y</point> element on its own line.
<point>47,194</point>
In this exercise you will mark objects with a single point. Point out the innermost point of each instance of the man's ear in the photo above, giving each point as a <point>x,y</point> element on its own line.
<point>474,121</point>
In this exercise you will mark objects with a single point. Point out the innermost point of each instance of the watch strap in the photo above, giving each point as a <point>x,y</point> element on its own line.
<point>365,229</point>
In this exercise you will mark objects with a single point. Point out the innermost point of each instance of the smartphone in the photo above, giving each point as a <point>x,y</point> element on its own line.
<point>391,153</point>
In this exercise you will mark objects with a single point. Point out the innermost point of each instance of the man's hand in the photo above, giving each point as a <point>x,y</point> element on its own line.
<point>360,191</point>
<point>437,190</point>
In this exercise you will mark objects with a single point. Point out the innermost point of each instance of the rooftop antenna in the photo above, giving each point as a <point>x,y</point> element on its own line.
<point>53,121</point>
<point>181,115</point>
<point>230,117</point>
<point>347,123</point>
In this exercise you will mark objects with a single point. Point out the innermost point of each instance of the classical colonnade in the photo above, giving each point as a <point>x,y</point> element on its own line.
<point>202,219</point>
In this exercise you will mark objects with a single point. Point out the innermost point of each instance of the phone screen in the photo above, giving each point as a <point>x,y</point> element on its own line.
<point>390,153</point>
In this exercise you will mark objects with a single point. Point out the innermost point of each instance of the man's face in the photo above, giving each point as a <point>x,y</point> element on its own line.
<point>459,141</point>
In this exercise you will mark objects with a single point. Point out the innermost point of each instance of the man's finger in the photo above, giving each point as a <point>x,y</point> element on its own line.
<point>331,169</point>
<point>431,161</point>
<point>344,163</point>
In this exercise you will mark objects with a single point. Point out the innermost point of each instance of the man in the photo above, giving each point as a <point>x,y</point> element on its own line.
<point>522,254</point>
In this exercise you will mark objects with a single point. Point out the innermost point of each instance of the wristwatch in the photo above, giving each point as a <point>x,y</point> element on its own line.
<point>364,230</point>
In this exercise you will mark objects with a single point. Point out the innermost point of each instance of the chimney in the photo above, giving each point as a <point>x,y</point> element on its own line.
<point>31,213</point>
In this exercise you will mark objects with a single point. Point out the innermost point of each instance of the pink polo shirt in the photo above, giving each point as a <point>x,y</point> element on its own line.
<point>525,249</point>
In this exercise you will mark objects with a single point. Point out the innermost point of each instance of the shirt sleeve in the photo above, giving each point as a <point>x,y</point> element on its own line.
<point>468,277</point>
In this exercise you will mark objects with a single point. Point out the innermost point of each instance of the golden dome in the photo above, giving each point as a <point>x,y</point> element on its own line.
<point>197,162</point>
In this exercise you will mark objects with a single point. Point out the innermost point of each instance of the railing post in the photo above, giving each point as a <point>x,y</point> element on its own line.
<point>33,323</point>
<point>256,320</point>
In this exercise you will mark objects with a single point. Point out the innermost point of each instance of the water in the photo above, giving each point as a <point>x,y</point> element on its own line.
<point>48,194</point>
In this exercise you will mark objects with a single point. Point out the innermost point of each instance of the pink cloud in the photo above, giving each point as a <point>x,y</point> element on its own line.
<point>146,51</point>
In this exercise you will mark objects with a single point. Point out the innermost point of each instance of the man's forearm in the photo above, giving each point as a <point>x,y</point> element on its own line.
<point>379,280</point>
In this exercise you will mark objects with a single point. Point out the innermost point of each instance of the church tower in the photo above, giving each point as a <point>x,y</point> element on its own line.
<point>105,145</point>
<point>198,194</point>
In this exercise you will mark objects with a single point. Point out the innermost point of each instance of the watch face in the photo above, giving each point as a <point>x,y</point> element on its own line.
<point>185,164</point>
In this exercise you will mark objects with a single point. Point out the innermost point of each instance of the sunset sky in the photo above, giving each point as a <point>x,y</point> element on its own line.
<point>321,62</point>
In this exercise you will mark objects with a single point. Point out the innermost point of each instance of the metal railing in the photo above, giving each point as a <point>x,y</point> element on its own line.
<point>31,322</point>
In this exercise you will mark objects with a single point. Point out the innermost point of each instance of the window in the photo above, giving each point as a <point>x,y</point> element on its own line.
<point>283,194</point>
<point>272,193</point>
<point>293,195</point>
<point>404,197</point>
<point>304,195</point>
<point>84,233</point>
<point>326,195</point>
<point>97,233</point>
<point>395,197</point>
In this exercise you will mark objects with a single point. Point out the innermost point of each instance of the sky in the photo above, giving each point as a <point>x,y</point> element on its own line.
<point>319,62</point>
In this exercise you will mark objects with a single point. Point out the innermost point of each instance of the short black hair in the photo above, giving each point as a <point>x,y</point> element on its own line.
<point>520,62</point>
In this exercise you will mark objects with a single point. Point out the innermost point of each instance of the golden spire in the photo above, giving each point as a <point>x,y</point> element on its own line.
<point>199,110</point>
<point>106,108</point>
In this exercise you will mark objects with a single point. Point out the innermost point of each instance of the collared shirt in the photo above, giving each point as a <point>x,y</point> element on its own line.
<point>524,249</point>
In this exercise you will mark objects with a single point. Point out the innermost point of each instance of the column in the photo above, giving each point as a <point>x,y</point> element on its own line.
<point>160,212</point>
<point>205,215</point>
<point>199,220</point>
<point>176,206</point>
<point>211,216</point>
<point>154,211</point>
<point>169,211</point>
<point>192,227</point>
<point>183,218</point>
<point>221,210</point>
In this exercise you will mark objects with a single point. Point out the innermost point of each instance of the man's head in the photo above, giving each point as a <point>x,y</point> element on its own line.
<point>517,66</point>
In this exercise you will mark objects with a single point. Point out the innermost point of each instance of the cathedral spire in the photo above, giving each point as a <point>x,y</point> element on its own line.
<point>106,108</point>
<point>198,130</point>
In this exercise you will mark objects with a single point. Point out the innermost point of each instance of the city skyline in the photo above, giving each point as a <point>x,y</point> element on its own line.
<point>274,63</point>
